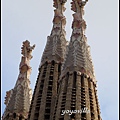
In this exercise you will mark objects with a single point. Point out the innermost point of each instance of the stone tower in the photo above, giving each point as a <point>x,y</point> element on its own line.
<point>18,99</point>
<point>77,84</point>
<point>45,92</point>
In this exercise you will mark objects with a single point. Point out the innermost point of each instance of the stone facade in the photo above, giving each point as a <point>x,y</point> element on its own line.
<point>18,99</point>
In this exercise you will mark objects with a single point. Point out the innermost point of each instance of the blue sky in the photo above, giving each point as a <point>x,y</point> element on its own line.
<point>32,20</point>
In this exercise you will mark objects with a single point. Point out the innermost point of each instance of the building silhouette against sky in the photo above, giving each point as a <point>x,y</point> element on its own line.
<point>66,79</point>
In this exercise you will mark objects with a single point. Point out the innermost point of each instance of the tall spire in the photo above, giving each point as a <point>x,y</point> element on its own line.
<point>78,55</point>
<point>18,99</point>
<point>77,85</point>
<point>56,42</point>
<point>45,92</point>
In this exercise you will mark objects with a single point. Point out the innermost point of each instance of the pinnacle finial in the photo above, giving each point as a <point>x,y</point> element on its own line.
<point>59,20</point>
<point>79,24</point>
<point>77,4</point>
<point>27,49</point>
<point>57,3</point>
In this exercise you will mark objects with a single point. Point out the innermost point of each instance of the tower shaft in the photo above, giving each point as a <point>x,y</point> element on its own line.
<point>77,93</point>
<point>45,92</point>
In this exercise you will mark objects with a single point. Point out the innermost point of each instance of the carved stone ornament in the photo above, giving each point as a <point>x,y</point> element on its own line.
<point>77,4</point>
<point>57,3</point>
<point>27,49</point>
<point>7,98</point>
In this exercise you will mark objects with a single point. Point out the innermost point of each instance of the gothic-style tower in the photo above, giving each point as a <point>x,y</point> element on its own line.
<point>77,90</point>
<point>45,92</point>
<point>18,99</point>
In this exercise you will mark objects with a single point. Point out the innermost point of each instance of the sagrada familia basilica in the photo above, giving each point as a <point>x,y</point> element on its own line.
<point>66,87</point>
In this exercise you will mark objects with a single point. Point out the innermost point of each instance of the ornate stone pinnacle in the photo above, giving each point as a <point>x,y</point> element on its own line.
<point>59,20</point>
<point>58,3</point>
<point>79,24</point>
<point>8,93</point>
<point>76,5</point>
<point>27,49</point>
